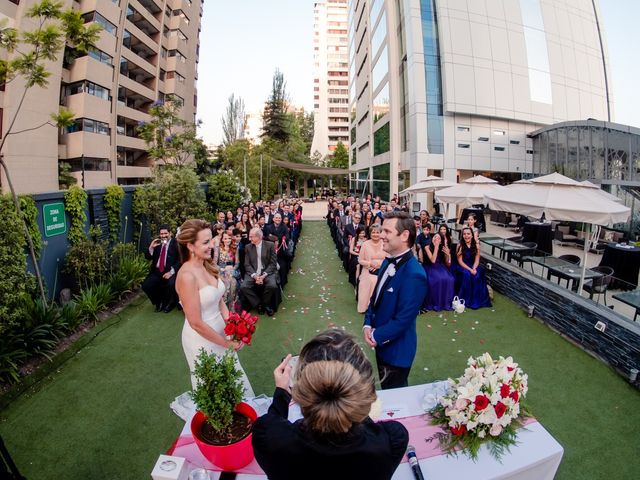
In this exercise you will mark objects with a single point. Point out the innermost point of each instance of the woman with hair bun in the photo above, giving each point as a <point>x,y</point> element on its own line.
<point>334,386</point>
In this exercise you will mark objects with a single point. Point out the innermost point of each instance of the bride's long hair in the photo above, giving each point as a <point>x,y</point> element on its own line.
<point>188,235</point>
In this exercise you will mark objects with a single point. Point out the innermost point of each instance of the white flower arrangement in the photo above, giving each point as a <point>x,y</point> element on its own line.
<point>483,405</point>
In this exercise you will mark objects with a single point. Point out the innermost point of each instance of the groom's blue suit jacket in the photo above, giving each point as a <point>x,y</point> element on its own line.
<point>394,314</point>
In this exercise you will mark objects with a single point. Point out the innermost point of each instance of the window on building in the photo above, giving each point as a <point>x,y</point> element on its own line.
<point>99,19</point>
<point>464,145</point>
<point>86,86</point>
<point>381,140</point>
<point>499,149</point>
<point>483,139</point>
<point>101,56</point>
<point>499,133</point>
<point>514,142</point>
<point>462,129</point>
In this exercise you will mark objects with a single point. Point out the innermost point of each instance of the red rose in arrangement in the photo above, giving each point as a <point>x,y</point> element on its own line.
<point>514,395</point>
<point>481,402</point>
<point>500,408</point>
<point>504,390</point>
<point>241,326</point>
<point>457,431</point>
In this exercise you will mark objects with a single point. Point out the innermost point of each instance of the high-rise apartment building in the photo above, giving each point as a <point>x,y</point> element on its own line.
<point>148,49</point>
<point>455,87</point>
<point>331,79</point>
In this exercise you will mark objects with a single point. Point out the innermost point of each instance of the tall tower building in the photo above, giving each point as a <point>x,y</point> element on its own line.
<point>456,87</point>
<point>148,49</point>
<point>331,79</point>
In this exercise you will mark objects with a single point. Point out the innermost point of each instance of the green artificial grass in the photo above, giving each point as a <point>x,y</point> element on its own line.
<point>105,412</point>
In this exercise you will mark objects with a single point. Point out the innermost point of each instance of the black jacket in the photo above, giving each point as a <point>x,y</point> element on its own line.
<point>172,261</point>
<point>287,450</point>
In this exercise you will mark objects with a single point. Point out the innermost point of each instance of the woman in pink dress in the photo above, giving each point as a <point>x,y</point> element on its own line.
<point>370,259</point>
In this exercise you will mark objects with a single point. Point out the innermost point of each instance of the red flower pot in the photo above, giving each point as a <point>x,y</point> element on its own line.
<point>227,457</point>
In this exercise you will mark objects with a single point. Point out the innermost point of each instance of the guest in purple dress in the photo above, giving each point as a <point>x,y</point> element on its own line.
<point>471,285</point>
<point>436,261</point>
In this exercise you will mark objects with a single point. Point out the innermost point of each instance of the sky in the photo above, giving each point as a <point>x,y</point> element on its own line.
<point>244,41</point>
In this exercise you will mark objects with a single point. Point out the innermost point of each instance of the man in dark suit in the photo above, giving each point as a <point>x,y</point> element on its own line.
<point>268,216</point>
<point>390,321</point>
<point>160,284</point>
<point>278,233</point>
<point>260,267</point>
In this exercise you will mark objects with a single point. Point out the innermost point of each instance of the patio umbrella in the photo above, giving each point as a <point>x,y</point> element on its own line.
<point>559,198</point>
<point>601,192</point>
<point>429,184</point>
<point>469,192</point>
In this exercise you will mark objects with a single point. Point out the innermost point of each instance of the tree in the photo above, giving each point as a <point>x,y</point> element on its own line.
<point>170,139</point>
<point>233,122</point>
<point>275,123</point>
<point>28,53</point>
<point>306,123</point>
<point>204,159</point>
<point>340,157</point>
<point>225,192</point>
<point>174,196</point>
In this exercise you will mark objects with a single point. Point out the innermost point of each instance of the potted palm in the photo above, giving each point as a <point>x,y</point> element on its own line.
<point>222,425</point>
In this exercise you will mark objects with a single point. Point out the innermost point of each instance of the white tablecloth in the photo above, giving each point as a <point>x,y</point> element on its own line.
<point>536,456</point>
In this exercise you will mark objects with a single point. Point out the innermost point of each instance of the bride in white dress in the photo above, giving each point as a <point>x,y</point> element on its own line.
<point>201,294</point>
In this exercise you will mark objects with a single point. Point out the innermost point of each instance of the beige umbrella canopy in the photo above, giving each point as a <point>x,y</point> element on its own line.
<point>559,198</point>
<point>429,184</point>
<point>469,192</point>
<point>601,192</point>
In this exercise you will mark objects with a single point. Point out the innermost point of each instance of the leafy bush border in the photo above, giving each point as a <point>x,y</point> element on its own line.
<point>114,194</point>
<point>75,203</point>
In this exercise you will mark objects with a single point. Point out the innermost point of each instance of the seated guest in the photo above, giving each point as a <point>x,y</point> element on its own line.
<point>370,259</point>
<point>160,284</point>
<point>471,285</point>
<point>334,386</point>
<point>261,267</point>
<point>443,230</point>
<point>217,230</point>
<point>436,261</point>
<point>230,221</point>
<point>354,250</point>
<point>424,236</point>
<point>226,258</point>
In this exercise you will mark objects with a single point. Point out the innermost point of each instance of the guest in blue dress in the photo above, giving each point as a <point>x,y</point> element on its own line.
<point>471,285</point>
<point>436,261</point>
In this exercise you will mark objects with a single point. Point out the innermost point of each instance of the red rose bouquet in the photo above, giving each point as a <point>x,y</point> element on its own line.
<point>241,326</point>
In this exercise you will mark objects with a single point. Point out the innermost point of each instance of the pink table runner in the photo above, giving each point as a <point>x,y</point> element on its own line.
<point>418,427</point>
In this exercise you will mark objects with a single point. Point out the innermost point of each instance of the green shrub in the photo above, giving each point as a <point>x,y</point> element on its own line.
<point>219,388</point>
<point>12,353</point>
<point>174,196</point>
<point>128,268</point>
<point>30,214</point>
<point>224,191</point>
<point>88,302</point>
<point>87,263</point>
<point>70,316</point>
<point>113,197</point>
<point>14,280</point>
<point>75,204</point>
<point>105,295</point>
<point>40,326</point>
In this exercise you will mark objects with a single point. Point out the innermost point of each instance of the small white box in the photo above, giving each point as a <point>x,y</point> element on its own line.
<point>170,468</point>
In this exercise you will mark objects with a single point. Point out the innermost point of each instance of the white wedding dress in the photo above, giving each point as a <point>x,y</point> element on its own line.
<point>192,341</point>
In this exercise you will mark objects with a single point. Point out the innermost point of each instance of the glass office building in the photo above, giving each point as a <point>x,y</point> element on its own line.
<point>455,87</point>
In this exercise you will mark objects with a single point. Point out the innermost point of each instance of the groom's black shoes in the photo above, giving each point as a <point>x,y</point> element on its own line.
<point>158,307</point>
<point>260,309</point>
<point>269,311</point>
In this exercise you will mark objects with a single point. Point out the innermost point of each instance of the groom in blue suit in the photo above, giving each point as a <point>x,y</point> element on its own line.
<point>390,321</point>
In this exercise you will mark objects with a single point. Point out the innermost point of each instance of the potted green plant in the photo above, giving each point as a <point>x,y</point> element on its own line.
<point>222,425</point>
